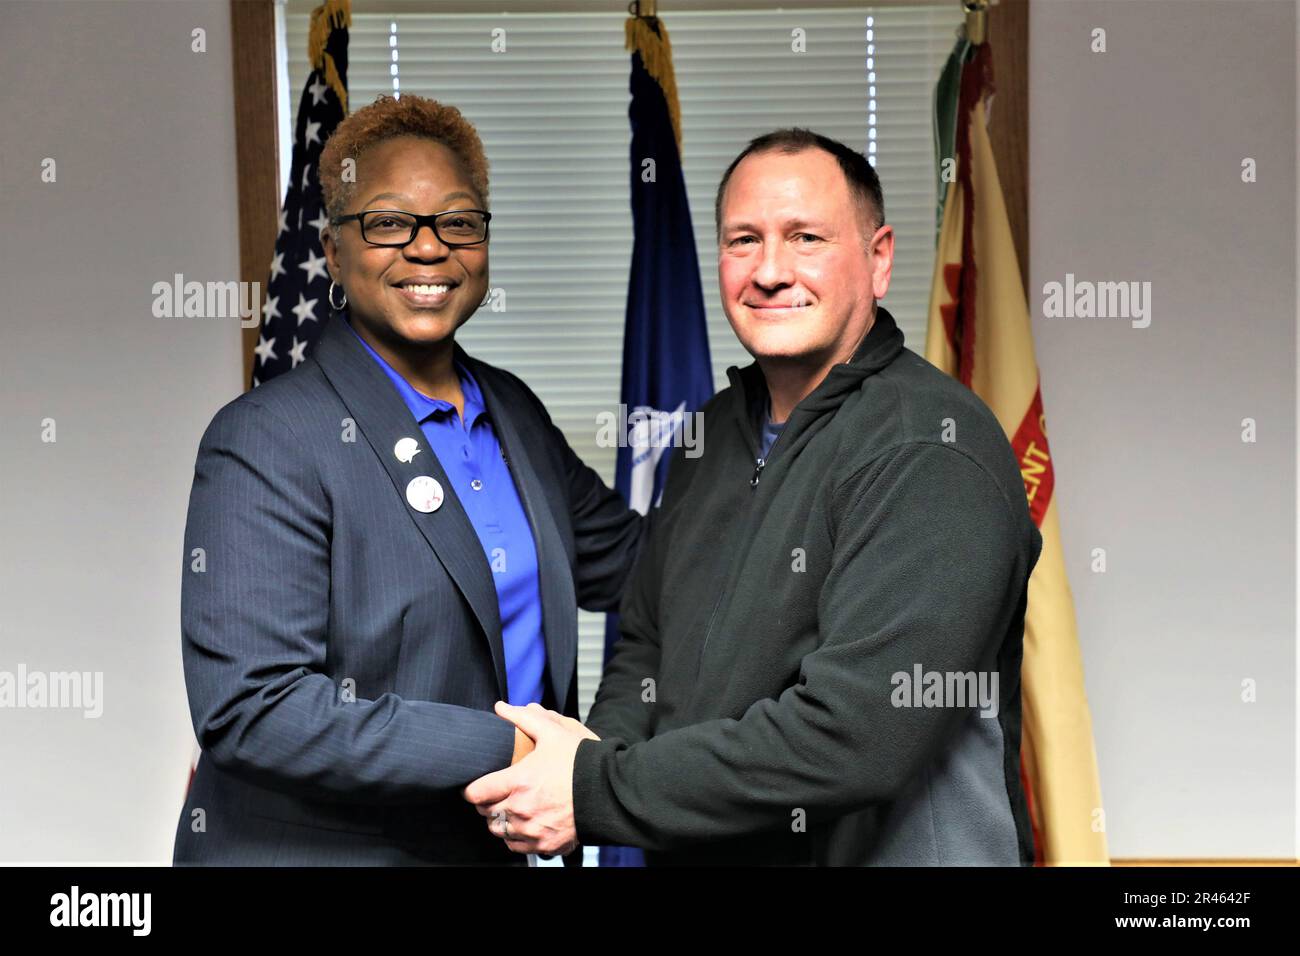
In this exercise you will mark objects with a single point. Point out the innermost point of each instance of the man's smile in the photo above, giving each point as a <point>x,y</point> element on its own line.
<point>778,311</point>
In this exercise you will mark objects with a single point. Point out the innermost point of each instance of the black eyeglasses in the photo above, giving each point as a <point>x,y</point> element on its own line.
<point>393,227</point>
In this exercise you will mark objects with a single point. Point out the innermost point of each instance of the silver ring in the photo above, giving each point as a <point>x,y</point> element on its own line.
<point>504,819</point>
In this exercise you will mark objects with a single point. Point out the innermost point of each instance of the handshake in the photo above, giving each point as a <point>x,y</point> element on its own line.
<point>530,803</point>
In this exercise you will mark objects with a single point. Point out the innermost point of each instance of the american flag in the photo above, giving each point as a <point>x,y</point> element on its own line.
<point>297,293</point>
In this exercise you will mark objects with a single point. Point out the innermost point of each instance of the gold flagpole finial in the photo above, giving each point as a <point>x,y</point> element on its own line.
<point>977,20</point>
<point>330,14</point>
<point>647,36</point>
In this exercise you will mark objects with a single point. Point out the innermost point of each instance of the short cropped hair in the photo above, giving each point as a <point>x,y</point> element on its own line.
<point>864,184</point>
<point>387,118</point>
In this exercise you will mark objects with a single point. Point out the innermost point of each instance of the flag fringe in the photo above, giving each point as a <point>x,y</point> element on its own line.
<point>656,52</point>
<point>325,18</point>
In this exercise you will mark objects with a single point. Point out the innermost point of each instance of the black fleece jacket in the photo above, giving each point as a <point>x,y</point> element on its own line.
<point>750,711</point>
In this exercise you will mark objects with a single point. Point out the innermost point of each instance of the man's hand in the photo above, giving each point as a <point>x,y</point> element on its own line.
<point>530,804</point>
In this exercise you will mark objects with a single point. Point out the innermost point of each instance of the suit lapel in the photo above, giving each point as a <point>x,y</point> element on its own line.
<point>383,418</point>
<point>555,582</point>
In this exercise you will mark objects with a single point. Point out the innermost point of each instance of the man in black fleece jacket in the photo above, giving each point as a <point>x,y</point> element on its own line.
<point>821,641</point>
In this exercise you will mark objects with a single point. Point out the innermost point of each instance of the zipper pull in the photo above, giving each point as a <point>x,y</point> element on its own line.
<point>758,470</point>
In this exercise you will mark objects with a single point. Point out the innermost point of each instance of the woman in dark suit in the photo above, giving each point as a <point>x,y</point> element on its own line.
<point>394,536</point>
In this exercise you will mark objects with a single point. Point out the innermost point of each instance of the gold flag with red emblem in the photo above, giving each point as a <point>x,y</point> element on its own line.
<point>979,332</point>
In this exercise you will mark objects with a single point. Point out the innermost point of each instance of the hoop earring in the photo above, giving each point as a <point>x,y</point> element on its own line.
<point>330,297</point>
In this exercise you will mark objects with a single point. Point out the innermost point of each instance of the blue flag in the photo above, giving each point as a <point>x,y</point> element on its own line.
<point>667,374</point>
<point>297,293</point>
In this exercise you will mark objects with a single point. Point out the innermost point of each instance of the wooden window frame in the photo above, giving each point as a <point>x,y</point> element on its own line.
<point>252,24</point>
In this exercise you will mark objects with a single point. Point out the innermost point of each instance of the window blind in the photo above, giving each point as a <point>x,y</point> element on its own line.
<point>551,109</point>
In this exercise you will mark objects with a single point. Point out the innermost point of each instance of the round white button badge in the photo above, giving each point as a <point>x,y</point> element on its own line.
<point>406,449</point>
<point>424,494</point>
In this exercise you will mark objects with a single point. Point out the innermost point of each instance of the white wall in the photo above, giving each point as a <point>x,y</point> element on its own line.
<point>1135,174</point>
<point>91,525</point>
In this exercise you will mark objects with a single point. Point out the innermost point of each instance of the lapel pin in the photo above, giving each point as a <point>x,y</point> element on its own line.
<point>406,449</point>
<point>424,494</point>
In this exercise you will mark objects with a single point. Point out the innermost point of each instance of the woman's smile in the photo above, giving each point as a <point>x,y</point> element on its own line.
<point>426,292</point>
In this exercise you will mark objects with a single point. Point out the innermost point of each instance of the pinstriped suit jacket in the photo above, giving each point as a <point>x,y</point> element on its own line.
<point>343,651</point>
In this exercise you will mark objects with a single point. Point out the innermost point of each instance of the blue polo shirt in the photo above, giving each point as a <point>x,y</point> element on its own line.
<point>470,454</point>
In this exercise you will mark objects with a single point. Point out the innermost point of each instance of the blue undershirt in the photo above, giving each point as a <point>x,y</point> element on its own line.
<point>769,433</point>
<point>470,454</point>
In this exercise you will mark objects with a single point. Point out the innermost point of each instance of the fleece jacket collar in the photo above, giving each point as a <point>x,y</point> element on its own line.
<point>883,342</point>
